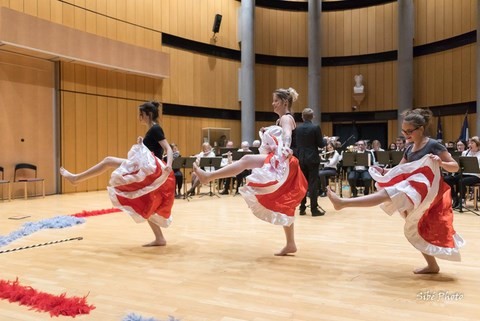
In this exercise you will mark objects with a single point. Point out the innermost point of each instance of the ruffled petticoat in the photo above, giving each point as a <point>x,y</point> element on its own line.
<point>141,187</point>
<point>274,190</point>
<point>418,192</point>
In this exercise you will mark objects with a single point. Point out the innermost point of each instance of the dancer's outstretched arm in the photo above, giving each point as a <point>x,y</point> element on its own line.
<point>246,162</point>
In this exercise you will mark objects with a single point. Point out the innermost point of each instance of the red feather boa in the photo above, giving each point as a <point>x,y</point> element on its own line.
<point>97,212</point>
<point>41,301</point>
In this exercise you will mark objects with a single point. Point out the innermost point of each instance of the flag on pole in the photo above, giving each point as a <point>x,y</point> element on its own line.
<point>439,128</point>
<point>464,131</point>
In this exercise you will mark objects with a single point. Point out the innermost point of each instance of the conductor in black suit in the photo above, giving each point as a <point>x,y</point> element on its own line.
<point>309,138</point>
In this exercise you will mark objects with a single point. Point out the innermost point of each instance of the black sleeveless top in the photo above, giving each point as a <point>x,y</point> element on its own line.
<point>152,137</point>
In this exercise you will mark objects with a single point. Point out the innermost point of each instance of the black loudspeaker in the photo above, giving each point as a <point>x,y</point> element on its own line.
<point>216,23</point>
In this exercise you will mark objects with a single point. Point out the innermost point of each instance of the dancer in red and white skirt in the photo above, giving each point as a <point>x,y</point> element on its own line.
<point>141,185</point>
<point>416,190</point>
<point>275,187</point>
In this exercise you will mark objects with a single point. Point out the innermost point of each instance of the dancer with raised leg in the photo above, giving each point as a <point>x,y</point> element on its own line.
<point>141,185</point>
<point>273,206</point>
<point>275,187</point>
<point>416,189</point>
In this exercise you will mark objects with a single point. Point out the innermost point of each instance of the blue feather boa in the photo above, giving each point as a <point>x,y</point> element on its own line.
<point>32,227</point>
<point>136,317</point>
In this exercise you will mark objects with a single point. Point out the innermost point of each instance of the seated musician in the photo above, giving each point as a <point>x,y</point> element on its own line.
<point>207,151</point>
<point>461,146</point>
<point>177,172</point>
<point>360,172</point>
<point>330,160</point>
<point>226,160</point>
<point>244,148</point>
<point>458,183</point>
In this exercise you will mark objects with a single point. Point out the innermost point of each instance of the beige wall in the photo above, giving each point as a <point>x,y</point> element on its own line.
<point>26,117</point>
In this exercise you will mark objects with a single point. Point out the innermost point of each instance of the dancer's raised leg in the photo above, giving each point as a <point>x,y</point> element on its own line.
<point>246,162</point>
<point>364,201</point>
<point>159,238</point>
<point>290,247</point>
<point>107,163</point>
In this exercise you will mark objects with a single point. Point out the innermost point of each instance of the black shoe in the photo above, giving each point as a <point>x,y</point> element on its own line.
<point>324,194</point>
<point>317,213</point>
<point>457,206</point>
<point>190,193</point>
<point>456,203</point>
<point>302,211</point>
<point>224,192</point>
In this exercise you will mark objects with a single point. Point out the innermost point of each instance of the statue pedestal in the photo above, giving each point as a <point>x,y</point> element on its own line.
<point>359,98</point>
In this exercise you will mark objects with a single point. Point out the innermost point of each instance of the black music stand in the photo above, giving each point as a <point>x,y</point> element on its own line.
<point>225,150</point>
<point>395,157</point>
<point>183,163</point>
<point>237,155</point>
<point>383,158</point>
<point>355,159</point>
<point>468,164</point>
<point>210,162</point>
<point>352,159</point>
<point>456,155</point>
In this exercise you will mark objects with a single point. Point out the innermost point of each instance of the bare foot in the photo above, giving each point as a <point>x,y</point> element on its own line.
<point>427,270</point>
<point>156,243</point>
<point>337,202</point>
<point>72,178</point>
<point>201,174</point>
<point>288,249</point>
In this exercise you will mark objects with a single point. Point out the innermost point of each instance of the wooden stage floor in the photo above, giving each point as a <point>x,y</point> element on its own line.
<point>219,265</point>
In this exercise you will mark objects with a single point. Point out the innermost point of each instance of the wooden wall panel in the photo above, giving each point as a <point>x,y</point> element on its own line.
<point>445,78</point>
<point>68,158</point>
<point>201,80</point>
<point>363,30</point>
<point>359,31</point>
<point>102,143</point>
<point>452,126</point>
<point>26,117</point>
<point>102,103</point>
<point>80,146</point>
<point>269,78</point>
<point>186,132</point>
<point>92,139</point>
<point>440,19</point>
<point>281,33</point>
<point>379,82</point>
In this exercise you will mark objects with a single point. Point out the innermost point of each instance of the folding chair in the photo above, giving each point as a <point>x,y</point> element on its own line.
<point>4,181</point>
<point>27,173</point>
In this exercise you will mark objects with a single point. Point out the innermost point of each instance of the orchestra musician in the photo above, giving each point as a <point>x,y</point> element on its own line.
<point>360,172</point>
<point>330,159</point>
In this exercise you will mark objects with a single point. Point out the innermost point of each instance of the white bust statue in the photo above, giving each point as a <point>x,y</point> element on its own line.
<point>358,88</point>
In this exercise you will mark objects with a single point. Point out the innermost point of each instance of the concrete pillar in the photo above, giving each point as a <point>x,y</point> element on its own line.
<point>314,58</point>
<point>247,69</point>
<point>405,58</point>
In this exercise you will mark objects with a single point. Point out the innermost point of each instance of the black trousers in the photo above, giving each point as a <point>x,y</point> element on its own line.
<point>324,174</point>
<point>458,185</point>
<point>354,176</point>
<point>310,171</point>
